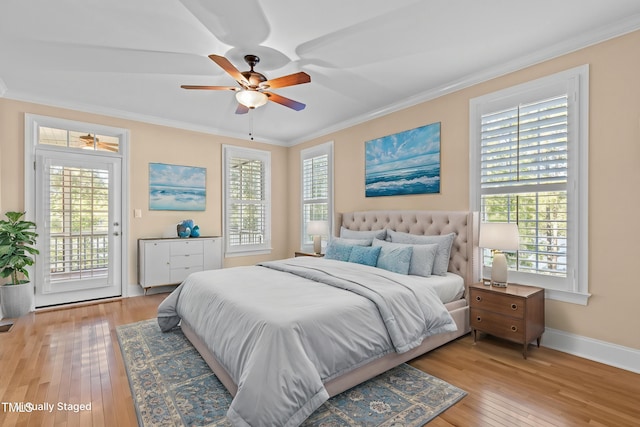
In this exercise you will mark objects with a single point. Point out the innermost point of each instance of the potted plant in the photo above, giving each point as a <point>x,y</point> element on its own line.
<point>17,238</point>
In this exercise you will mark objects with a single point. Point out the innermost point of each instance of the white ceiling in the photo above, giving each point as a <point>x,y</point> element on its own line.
<point>366,58</point>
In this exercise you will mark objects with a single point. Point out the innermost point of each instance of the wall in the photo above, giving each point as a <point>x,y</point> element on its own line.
<point>148,143</point>
<point>614,177</point>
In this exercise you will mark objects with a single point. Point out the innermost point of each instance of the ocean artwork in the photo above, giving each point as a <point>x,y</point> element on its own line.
<point>177,188</point>
<point>404,163</point>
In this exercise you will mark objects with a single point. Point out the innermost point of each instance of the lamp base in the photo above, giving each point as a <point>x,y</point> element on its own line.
<point>317,244</point>
<point>499,271</point>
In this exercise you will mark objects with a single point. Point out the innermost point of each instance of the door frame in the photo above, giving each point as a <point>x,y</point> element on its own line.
<point>31,124</point>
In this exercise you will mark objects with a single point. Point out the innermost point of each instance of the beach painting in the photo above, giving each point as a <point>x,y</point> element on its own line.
<point>404,163</point>
<point>177,188</point>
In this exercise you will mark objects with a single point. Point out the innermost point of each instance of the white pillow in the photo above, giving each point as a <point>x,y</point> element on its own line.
<point>367,234</point>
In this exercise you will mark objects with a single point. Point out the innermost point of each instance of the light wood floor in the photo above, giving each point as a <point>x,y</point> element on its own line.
<point>72,356</point>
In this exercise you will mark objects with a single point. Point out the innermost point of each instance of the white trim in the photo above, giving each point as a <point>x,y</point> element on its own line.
<point>31,123</point>
<point>575,83</point>
<point>589,348</point>
<point>3,88</point>
<point>316,150</point>
<point>264,156</point>
<point>128,115</point>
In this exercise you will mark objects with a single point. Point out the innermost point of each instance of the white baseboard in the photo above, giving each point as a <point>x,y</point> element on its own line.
<point>600,351</point>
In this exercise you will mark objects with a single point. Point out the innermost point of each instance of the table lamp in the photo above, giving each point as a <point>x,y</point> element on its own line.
<point>499,236</point>
<point>317,229</point>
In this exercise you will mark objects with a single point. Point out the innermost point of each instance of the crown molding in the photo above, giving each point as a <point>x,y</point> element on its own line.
<point>128,115</point>
<point>598,35</point>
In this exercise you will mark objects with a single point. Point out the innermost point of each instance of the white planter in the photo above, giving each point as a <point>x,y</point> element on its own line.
<point>15,300</point>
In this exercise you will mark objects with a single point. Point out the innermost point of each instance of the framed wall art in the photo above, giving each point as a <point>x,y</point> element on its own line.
<point>404,163</point>
<point>177,188</point>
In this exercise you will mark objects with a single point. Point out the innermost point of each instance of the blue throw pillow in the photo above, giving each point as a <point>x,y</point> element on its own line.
<point>394,258</point>
<point>365,255</point>
<point>338,251</point>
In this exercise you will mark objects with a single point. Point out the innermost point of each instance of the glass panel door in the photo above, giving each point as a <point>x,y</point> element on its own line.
<point>78,217</point>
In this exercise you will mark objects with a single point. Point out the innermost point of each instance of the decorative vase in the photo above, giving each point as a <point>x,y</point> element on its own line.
<point>183,231</point>
<point>195,231</point>
<point>16,300</point>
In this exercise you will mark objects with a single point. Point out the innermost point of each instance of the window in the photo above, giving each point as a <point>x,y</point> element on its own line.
<point>317,189</point>
<point>247,174</point>
<point>529,166</point>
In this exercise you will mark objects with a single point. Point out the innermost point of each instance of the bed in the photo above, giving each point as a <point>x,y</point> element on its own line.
<point>284,336</point>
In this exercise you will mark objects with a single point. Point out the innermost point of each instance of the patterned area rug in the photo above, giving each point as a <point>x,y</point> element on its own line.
<point>173,386</point>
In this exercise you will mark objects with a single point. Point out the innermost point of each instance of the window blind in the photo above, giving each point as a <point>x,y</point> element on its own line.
<point>523,168</point>
<point>247,204</point>
<point>315,191</point>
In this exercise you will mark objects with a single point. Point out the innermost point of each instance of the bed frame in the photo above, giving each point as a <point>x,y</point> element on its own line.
<point>464,261</point>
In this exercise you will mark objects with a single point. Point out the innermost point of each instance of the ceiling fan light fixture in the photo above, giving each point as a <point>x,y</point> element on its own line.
<point>251,98</point>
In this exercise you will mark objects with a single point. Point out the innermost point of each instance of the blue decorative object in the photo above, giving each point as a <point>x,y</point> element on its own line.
<point>183,231</point>
<point>195,231</point>
<point>188,223</point>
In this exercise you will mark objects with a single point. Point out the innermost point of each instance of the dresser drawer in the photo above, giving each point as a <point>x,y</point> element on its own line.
<point>505,304</point>
<point>179,274</point>
<point>186,247</point>
<point>187,260</point>
<point>498,325</point>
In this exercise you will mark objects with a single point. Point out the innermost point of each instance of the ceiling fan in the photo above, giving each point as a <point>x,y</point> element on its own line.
<point>254,87</point>
<point>88,140</point>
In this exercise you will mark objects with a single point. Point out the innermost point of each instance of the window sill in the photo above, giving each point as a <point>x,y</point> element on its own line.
<point>247,253</point>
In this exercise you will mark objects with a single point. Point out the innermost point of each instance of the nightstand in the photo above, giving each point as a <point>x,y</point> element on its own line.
<point>515,313</point>
<point>308,254</point>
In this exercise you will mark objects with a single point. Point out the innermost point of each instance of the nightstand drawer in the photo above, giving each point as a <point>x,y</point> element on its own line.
<point>496,324</point>
<point>505,304</point>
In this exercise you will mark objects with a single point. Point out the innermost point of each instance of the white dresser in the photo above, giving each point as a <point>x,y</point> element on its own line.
<point>169,261</point>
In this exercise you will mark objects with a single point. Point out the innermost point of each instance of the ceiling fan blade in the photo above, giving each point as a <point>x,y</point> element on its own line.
<point>209,87</point>
<point>229,68</point>
<point>106,147</point>
<point>241,109</point>
<point>290,80</point>
<point>285,101</point>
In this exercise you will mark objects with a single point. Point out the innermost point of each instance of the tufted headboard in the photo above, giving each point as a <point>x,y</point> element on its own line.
<point>465,254</point>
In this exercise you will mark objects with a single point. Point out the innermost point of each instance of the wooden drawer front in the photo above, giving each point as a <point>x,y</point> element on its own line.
<point>179,274</point>
<point>498,325</point>
<point>187,260</point>
<point>186,247</point>
<point>508,305</point>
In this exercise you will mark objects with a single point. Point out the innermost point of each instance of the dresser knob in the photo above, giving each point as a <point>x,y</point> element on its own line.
<point>478,298</point>
<point>479,319</point>
<point>514,306</point>
<point>514,328</point>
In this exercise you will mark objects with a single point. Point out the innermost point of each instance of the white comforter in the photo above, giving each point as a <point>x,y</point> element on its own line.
<point>281,332</point>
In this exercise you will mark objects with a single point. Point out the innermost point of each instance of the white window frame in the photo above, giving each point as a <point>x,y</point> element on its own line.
<point>309,153</point>
<point>229,152</point>
<point>575,83</point>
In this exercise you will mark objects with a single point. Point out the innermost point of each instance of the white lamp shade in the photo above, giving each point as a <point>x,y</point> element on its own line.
<point>251,98</point>
<point>501,236</point>
<point>317,228</point>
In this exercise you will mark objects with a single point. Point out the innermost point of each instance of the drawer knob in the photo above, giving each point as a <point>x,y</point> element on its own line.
<point>478,298</point>
<point>514,306</point>
<point>514,328</point>
<point>479,319</point>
